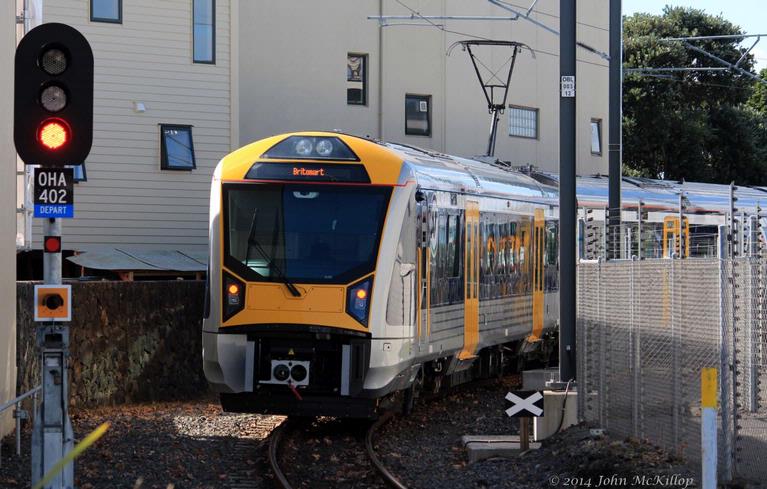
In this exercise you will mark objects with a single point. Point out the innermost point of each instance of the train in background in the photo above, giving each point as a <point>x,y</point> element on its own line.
<point>652,210</point>
<point>347,273</point>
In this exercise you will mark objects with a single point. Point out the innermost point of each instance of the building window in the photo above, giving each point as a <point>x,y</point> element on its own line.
<point>356,79</point>
<point>596,136</point>
<point>79,173</point>
<point>204,19</point>
<point>523,122</point>
<point>107,11</point>
<point>176,148</point>
<point>418,115</point>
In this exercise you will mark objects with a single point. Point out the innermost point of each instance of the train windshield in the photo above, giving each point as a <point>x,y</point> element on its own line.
<point>303,233</point>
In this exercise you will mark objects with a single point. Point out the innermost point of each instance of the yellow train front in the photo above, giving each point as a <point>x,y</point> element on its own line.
<point>343,270</point>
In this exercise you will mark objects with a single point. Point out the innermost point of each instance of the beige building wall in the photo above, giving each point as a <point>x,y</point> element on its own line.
<point>7,216</point>
<point>128,201</point>
<point>292,66</point>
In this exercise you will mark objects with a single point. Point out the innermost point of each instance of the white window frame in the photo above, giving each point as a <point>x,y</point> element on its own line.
<point>598,122</point>
<point>519,133</point>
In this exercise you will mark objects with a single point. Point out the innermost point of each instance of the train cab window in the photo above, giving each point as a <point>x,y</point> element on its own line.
<point>204,31</point>
<point>107,11</point>
<point>303,233</point>
<point>356,79</point>
<point>418,115</point>
<point>176,147</point>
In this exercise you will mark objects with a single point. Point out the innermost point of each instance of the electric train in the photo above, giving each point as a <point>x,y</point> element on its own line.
<point>347,273</point>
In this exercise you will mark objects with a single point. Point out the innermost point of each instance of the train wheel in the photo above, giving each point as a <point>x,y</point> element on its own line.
<point>412,393</point>
<point>408,401</point>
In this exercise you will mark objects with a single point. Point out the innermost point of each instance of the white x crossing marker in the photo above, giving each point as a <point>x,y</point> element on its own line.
<point>527,404</point>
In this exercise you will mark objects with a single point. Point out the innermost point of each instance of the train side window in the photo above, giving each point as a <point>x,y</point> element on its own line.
<point>491,248</point>
<point>442,245</point>
<point>452,246</point>
<point>176,147</point>
<point>552,253</point>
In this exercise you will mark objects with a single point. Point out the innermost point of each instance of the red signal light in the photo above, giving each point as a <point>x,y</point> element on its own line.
<point>53,134</point>
<point>52,244</point>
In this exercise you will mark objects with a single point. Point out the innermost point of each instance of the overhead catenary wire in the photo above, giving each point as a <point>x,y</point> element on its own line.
<point>416,15</point>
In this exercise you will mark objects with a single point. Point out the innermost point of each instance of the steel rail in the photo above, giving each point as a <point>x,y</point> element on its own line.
<point>274,443</point>
<point>380,467</point>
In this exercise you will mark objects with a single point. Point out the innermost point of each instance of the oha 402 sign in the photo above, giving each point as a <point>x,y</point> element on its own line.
<point>54,192</point>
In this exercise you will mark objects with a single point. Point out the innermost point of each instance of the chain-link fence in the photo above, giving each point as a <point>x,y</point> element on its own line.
<point>647,328</point>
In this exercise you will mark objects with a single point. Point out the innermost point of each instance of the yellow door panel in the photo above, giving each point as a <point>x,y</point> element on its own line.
<point>672,234</point>
<point>471,282</point>
<point>537,253</point>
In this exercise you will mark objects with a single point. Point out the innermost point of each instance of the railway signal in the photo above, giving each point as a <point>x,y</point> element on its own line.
<point>53,101</point>
<point>53,127</point>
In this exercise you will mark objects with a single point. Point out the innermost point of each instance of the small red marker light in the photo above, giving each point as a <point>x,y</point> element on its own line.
<point>361,294</point>
<point>52,244</point>
<point>53,134</point>
<point>234,289</point>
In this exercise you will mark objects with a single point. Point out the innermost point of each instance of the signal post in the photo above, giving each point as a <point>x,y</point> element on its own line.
<point>53,128</point>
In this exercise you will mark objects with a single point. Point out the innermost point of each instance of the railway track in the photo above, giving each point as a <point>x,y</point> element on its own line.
<point>290,426</point>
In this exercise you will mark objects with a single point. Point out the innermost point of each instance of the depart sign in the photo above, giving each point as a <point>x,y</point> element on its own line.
<point>54,192</point>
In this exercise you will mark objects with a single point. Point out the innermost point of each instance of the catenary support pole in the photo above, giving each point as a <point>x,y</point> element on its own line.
<point>567,196</point>
<point>615,116</point>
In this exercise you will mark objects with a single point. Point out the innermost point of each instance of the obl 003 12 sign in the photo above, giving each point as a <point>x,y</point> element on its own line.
<point>54,192</point>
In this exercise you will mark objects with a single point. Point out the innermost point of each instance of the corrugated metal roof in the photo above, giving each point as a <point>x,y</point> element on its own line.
<point>118,259</point>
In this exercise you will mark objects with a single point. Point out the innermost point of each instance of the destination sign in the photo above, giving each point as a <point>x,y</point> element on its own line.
<point>310,172</point>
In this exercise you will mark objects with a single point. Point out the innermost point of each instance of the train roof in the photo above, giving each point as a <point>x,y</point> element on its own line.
<point>453,173</point>
<point>698,197</point>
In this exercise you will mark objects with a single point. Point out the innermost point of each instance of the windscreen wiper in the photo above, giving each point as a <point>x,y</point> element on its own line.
<point>252,241</point>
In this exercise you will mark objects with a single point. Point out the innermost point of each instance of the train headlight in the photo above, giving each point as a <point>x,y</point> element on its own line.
<point>234,296</point>
<point>281,372</point>
<point>324,147</point>
<point>298,373</point>
<point>358,300</point>
<point>304,147</point>
<point>311,147</point>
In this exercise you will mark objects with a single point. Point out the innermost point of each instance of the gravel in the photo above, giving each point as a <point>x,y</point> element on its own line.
<point>425,450</point>
<point>195,445</point>
<point>328,453</point>
<point>178,445</point>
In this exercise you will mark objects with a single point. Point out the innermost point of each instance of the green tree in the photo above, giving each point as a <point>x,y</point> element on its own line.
<point>694,125</point>
<point>758,100</point>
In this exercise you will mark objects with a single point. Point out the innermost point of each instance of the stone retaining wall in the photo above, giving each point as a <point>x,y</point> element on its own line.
<point>130,341</point>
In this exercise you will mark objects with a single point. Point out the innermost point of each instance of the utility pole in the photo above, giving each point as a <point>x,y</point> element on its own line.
<point>567,195</point>
<point>615,115</point>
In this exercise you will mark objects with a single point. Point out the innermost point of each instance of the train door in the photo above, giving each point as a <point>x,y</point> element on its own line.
<point>672,234</point>
<point>423,271</point>
<point>538,261</point>
<point>471,281</point>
